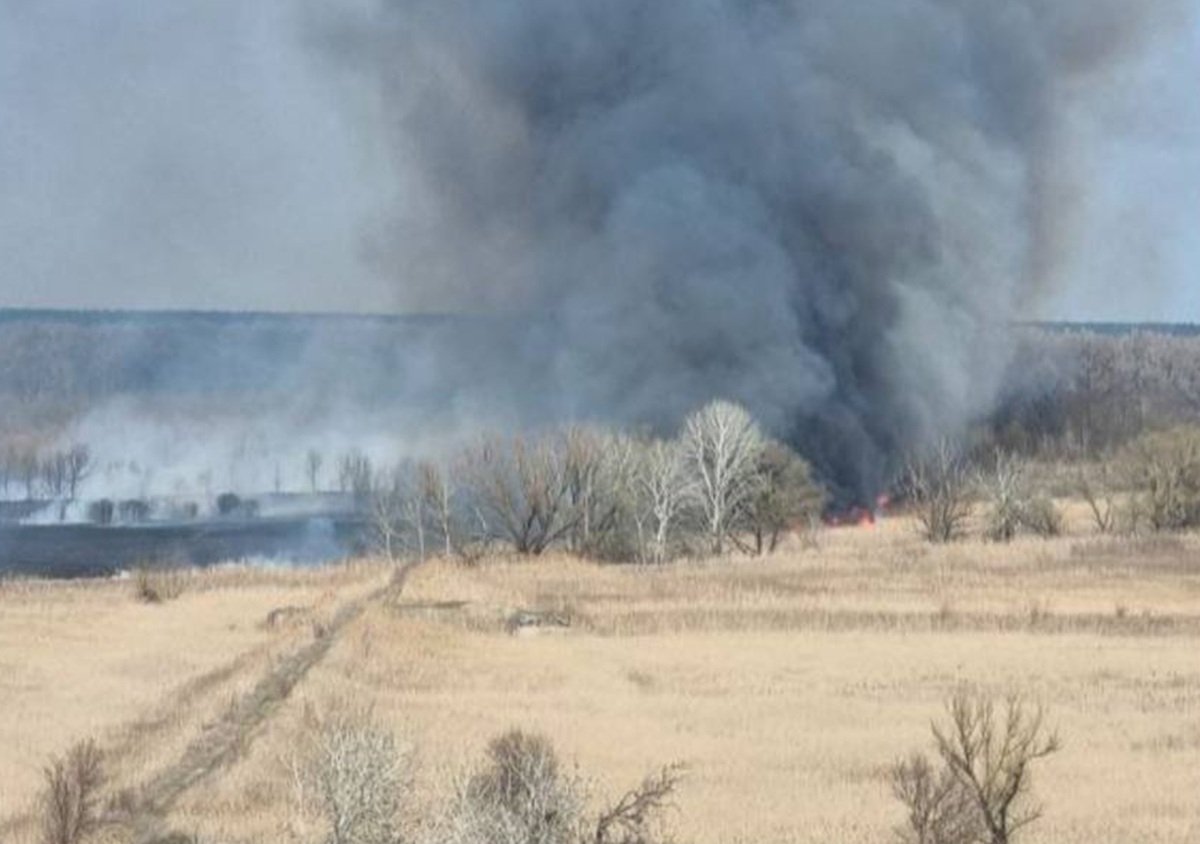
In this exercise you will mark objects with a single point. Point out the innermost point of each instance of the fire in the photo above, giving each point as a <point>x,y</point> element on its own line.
<point>860,516</point>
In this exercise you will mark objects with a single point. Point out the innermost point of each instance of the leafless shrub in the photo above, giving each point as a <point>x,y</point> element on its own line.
<point>1096,485</point>
<point>69,801</point>
<point>981,792</point>
<point>939,485</point>
<point>520,796</point>
<point>1163,473</point>
<point>358,777</point>
<point>523,795</point>
<point>631,819</point>
<point>1005,485</point>
<point>157,584</point>
<point>939,809</point>
<point>1014,507</point>
<point>1041,517</point>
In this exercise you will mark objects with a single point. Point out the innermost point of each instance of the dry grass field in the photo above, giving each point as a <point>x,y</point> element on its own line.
<point>786,685</point>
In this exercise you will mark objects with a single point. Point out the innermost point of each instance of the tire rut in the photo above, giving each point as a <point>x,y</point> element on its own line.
<point>223,742</point>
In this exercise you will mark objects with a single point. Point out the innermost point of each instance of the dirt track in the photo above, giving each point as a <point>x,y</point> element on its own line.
<point>221,743</point>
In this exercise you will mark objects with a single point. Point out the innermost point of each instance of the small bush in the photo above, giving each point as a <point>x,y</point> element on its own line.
<point>522,795</point>
<point>69,800</point>
<point>359,776</point>
<point>157,585</point>
<point>1014,508</point>
<point>1163,474</point>
<point>1042,518</point>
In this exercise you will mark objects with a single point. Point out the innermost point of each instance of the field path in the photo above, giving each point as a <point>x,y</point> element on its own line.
<point>225,740</point>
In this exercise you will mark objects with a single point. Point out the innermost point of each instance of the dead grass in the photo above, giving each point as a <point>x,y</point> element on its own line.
<point>87,659</point>
<point>787,685</point>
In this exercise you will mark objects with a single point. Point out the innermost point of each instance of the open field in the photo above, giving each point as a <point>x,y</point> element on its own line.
<point>787,685</point>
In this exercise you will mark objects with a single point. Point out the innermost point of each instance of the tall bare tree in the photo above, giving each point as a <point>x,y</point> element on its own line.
<point>938,484</point>
<point>436,488</point>
<point>663,486</point>
<point>522,487</point>
<point>78,465</point>
<point>312,468</point>
<point>722,444</point>
<point>355,475</point>
<point>990,755</point>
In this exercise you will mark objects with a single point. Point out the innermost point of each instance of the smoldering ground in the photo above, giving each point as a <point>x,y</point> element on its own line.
<point>828,211</point>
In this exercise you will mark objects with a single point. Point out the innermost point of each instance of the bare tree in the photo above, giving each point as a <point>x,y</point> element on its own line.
<point>313,461</point>
<point>69,801</point>
<point>663,486</point>
<point>54,474</point>
<point>386,524</point>
<point>78,464</point>
<point>29,471</point>
<point>721,443</point>
<point>1096,486</point>
<point>437,495</point>
<point>939,809</point>
<point>523,488</point>
<point>629,820</point>
<point>939,485</point>
<point>355,475</point>
<point>990,755</point>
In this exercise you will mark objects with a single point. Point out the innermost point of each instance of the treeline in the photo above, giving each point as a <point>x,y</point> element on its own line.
<point>34,473</point>
<point>1083,394</point>
<point>1149,485</point>
<point>719,484</point>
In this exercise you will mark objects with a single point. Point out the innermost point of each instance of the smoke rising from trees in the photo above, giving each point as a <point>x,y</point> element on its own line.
<point>827,211</point>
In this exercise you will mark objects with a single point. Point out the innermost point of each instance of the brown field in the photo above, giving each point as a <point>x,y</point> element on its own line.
<point>786,685</point>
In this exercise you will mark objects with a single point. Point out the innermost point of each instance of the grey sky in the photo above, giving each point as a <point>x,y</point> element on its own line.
<point>196,154</point>
<point>175,155</point>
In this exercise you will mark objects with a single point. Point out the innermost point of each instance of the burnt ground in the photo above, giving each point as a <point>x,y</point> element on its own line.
<point>82,550</point>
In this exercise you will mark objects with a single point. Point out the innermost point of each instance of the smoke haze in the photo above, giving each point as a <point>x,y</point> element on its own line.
<point>826,210</point>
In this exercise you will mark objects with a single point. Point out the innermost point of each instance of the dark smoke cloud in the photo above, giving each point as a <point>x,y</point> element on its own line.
<point>827,210</point>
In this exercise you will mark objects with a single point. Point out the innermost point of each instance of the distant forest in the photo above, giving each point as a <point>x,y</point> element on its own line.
<point>1082,388</point>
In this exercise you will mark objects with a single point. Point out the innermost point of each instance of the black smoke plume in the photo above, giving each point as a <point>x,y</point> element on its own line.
<point>828,210</point>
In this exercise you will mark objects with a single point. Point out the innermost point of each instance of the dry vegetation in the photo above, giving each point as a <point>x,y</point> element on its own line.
<point>789,686</point>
